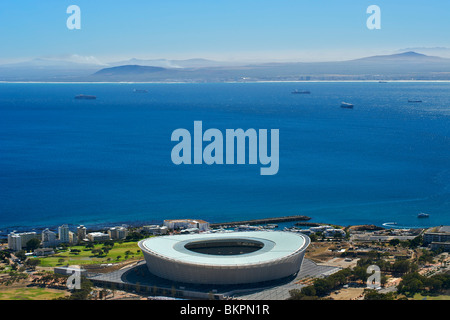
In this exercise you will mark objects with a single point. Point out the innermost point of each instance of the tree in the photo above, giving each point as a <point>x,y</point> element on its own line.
<point>309,291</point>
<point>33,244</point>
<point>32,263</point>
<point>411,283</point>
<point>416,242</point>
<point>313,237</point>
<point>322,287</point>
<point>21,255</point>
<point>394,242</point>
<point>402,267</point>
<point>90,245</point>
<point>83,293</point>
<point>374,295</point>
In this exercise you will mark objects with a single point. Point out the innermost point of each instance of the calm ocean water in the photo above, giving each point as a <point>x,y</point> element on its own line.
<point>92,162</point>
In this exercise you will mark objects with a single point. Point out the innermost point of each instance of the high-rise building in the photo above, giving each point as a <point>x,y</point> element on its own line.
<point>14,242</point>
<point>72,237</point>
<point>81,233</point>
<point>63,233</point>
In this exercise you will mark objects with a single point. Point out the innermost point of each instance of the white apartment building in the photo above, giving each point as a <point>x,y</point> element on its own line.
<point>48,238</point>
<point>18,241</point>
<point>63,233</point>
<point>117,233</point>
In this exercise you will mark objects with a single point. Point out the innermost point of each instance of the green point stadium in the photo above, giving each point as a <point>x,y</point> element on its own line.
<point>225,258</point>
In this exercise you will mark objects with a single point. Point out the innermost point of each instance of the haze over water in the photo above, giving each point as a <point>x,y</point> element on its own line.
<point>108,160</point>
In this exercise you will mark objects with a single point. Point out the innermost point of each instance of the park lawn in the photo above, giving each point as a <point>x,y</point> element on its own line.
<point>30,294</point>
<point>86,256</point>
<point>418,296</point>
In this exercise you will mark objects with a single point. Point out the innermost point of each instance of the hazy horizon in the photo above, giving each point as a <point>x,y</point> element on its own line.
<point>92,60</point>
<point>232,30</point>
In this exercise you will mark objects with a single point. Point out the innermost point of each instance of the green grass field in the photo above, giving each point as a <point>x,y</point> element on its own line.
<point>85,256</point>
<point>30,294</point>
<point>418,296</point>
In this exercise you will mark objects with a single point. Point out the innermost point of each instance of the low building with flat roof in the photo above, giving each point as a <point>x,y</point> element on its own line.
<point>155,229</point>
<point>98,236</point>
<point>187,224</point>
<point>437,237</point>
<point>437,234</point>
<point>43,252</point>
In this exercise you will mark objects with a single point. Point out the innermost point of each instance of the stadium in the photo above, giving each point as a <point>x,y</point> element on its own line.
<point>225,258</point>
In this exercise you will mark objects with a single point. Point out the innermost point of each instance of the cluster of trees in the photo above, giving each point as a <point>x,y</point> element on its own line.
<point>398,268</point>
<point>415,283</point>
<point>322,286</point>
<point>4,255</point>
<point>371,294</point>
<point>14,276</point>
<point>33,244</point>
<point>412,244</point>
<point>135,236</point>
<point>107,246</point>
<point>427,256</point>
<point>81,294</point>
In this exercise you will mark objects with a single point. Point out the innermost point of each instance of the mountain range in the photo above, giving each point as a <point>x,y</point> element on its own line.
<point>408,65</point>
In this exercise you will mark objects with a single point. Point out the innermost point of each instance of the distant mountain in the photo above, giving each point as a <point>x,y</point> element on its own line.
<point>431,51</point>
<point>403,66</point>
<point>409,56</point>
<point>127,70</point>
<point>176,64</point>
<point>163,63</point>
<point>408,65</point>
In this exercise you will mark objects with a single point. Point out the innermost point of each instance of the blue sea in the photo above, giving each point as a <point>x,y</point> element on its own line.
<point>108,160</point>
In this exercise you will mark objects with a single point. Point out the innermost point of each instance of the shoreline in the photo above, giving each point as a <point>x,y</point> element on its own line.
<point>220,82</point>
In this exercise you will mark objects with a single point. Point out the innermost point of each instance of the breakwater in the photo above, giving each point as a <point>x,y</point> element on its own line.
<point>262,221</point>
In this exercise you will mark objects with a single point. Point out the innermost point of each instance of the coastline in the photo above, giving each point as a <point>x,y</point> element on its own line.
<point>214,82</point>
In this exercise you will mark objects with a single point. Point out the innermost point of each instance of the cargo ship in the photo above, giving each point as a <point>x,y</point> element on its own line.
<point>346,105</point>
<point>423,215</point>
<point>85,97</point>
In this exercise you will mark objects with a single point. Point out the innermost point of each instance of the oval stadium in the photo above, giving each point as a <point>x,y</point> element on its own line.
<point>225,258</point>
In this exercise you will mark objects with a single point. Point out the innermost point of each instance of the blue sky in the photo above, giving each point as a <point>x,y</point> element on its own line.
<point>301,30</point>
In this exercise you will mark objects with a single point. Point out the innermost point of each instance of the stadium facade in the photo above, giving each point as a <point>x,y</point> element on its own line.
<point>225,258</point>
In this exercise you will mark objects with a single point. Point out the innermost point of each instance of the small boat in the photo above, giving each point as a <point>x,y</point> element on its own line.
<point>140,91</point>
<point>346,105</point>
<point>414,101</point>
<point>301,92</point>
<point>85,97</point>
<point>423,215</point>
